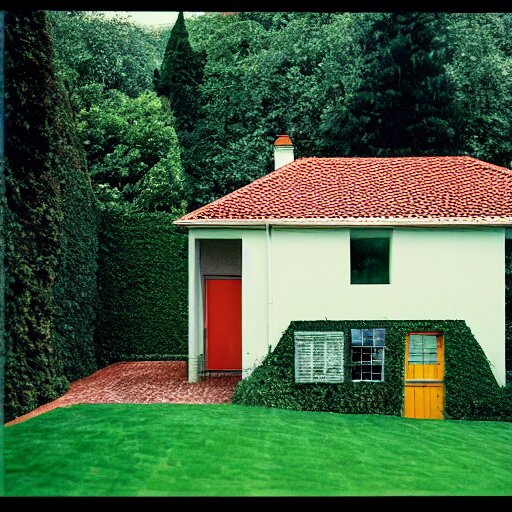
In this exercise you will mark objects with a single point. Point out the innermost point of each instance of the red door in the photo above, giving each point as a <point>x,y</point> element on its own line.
<point>223,324</point>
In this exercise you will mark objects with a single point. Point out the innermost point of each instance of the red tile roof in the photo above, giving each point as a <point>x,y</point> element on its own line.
<point>456,188</point>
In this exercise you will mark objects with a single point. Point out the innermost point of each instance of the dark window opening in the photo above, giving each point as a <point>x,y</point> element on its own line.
<point>369,260</point>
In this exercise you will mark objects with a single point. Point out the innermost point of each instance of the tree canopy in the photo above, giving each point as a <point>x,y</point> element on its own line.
<point>340,84</point>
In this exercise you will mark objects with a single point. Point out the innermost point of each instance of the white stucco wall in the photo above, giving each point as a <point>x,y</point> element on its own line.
<point>439,274</point>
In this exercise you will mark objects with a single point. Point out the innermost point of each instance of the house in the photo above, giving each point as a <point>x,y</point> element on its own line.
<point>350,238</point>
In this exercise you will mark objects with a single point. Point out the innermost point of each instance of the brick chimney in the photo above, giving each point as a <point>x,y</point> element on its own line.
<point>283,151</point>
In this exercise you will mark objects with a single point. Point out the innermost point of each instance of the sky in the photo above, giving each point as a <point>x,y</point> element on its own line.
<point>151,17</point>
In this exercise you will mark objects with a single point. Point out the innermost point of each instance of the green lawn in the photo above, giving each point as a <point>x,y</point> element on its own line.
<point>229,450</point>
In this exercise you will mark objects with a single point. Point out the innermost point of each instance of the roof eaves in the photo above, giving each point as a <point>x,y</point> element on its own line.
<point>352,222</point>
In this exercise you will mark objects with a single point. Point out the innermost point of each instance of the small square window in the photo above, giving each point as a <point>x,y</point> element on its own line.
<point>369,258</point>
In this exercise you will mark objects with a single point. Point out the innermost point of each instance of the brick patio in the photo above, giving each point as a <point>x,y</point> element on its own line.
<point>142,383</point>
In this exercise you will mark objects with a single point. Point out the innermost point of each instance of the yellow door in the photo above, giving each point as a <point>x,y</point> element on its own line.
<point>424,374</point>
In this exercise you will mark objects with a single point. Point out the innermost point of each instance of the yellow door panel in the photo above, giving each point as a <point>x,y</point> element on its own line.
<point>424,374</point>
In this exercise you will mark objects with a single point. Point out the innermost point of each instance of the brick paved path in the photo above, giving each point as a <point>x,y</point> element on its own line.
<point>142,383</point>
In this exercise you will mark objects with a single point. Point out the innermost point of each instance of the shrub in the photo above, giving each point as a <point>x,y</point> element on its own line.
<point>142,282</point>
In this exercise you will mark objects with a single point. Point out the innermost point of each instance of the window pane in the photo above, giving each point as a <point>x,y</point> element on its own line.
<point>377,355</point>
<point>422,349</point>
<point>369,260</point>
<point>377,372</point>
<point>356,335</point>
<point>379,337</point>
<point>368,337</point>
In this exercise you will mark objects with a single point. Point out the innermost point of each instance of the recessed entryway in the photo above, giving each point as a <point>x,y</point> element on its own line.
<point>221,275</point>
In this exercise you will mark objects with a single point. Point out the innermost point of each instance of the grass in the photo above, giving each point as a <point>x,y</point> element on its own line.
<point>229,450</point>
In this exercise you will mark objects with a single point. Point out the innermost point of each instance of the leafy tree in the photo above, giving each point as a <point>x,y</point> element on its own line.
<point>93,49</point>
<point>261,82</point>
<point>180,76</point>
<point>133,151</point>
<point>404,103</point>
<point>481,76</point>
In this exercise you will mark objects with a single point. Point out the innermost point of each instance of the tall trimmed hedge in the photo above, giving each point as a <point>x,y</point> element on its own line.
<point>142,283</point>
<point>471,391</point>
<point>50,226</point>
<point>75,292</point>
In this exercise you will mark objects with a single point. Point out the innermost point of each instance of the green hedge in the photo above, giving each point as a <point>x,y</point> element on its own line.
<point>142,283</point>
<point>33,218</point>
<point>50,226</point>
<point>75,292</point>
<point>471,391</point>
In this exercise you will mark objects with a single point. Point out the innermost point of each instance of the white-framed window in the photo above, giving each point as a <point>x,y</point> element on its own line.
<point>319,356</point>
<point>368,347</point>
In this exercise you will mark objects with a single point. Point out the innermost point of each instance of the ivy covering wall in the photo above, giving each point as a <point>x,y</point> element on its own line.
<point>50,227</point>
<point>471,391</point>
<point>142,283</point>
<point>75,291</point>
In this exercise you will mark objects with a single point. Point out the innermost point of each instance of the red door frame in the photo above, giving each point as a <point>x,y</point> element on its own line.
<point>232,359</point>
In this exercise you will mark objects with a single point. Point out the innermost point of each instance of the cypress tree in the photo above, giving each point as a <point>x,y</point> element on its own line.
<point>403,105</point>
<point>180,76</point>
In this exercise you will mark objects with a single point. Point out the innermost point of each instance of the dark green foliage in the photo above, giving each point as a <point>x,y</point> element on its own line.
<point>346,84</point>
<point>142,283</point>
<point>75,290</point>
<point>180,76</point>
<point>482,83</point>
<point>403,105</point>
<point>93,49</point>
<point>369,260</point>
<point>34,220</point>
<point>265,74</point>
<point>177,82</point>
<point>2,237</point>
<point>470,387</point>
<point>51,242</point>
